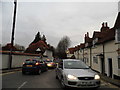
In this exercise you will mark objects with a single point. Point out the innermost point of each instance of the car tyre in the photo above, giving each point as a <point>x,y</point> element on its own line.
<point>23,73</point>
<point>63,85</point>
<point>56,77</point>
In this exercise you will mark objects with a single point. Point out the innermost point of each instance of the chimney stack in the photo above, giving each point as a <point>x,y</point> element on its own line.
<point>106,25</point>
<point>87,34</point>
<point>103,24</point>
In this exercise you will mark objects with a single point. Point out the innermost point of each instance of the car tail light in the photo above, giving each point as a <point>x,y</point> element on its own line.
<point>37,63</point>
<point>52,63</point>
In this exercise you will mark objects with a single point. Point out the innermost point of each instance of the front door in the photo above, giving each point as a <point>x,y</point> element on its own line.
<point>110,67</point>
<point>102,65</point>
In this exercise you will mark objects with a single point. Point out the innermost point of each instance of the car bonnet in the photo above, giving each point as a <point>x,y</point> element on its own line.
<point>80,72</point>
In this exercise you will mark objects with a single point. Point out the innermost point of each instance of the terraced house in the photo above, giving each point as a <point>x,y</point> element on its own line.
<point>102,51</point>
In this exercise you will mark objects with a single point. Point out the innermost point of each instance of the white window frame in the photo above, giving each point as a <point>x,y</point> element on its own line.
<point>117,36</point>
<point>118,62</point>
<point>95,59</point>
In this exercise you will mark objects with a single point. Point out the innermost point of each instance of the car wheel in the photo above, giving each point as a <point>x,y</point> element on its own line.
<point>23,72</point>
<point>39,71</point>
<point>62,84</point>
<point>56,77</point>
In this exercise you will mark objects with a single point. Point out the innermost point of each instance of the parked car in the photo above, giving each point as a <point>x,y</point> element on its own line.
<point>33,66</point>
<point>75,73</point>
<point>50,64</point>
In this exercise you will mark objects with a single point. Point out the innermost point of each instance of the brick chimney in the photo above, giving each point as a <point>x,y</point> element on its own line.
<point>86,37</point>
<point>104,27</point>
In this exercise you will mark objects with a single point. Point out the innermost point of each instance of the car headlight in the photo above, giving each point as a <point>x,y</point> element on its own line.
<point>71,77</point>
<point>49,64</point>
<point>97,77</point>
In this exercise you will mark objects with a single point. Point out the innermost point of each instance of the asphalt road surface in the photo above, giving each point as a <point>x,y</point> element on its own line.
<point>17,81</point>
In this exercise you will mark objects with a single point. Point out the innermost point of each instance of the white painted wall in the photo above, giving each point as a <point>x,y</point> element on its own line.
<point>98,49</point>
<point>87,56</point>
<point>49,54</point>
<point>110,52</point>
<point>17,60</point>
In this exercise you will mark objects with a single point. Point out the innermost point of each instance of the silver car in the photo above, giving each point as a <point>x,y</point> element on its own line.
<point>75,73</point>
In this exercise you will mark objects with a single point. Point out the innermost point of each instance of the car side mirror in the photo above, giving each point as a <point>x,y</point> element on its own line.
<point>61,66</point>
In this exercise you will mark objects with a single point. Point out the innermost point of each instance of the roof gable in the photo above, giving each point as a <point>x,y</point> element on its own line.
<point>35,46</point>
<point>117,23</point>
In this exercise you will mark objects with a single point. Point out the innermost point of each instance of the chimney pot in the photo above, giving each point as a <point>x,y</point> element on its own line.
<point>103,24</point>
<point>106,24</point>
<point>87,34</point>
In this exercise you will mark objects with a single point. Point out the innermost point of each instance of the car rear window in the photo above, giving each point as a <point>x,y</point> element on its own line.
<point>30,61</point>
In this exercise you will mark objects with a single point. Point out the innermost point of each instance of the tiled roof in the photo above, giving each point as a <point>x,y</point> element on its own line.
<point>33,47</point>
<point>96,34</point>
<point>71,50</point>
<point>107,36</point>
<point>82,45</point>
<point>8,47</point>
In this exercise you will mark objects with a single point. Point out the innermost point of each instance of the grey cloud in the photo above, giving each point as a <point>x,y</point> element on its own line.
<point>57,19</point>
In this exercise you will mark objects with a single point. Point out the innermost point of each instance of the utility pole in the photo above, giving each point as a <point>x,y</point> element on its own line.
<point>12,37</point>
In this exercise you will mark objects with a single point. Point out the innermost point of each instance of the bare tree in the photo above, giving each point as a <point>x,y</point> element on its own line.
<point>20,47</point>
<point>62,46</point>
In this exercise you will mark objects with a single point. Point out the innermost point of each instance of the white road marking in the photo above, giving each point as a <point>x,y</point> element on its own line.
<point>21,85</point>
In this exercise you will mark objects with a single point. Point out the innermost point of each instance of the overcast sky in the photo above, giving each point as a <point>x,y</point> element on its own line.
<point>55,20</point>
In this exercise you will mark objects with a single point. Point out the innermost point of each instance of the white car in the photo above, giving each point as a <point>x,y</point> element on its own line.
<point>75,73</point>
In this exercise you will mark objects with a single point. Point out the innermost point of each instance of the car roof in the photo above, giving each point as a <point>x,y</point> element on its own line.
<point>31,60</point>
<point>71,60</point>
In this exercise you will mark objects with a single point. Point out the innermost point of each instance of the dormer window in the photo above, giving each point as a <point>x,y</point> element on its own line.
<point>95,41</point>
<point>86,44</point>
<point>118,35</point>
<point>81,50</point>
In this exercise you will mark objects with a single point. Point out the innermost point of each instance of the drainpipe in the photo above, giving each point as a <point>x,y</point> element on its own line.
<point>90,57</point>
<point>83,54</point>
<point>103,59</point>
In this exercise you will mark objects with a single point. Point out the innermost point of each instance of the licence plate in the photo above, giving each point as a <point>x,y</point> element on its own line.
<point>28,65</point>
<point>86,83</point>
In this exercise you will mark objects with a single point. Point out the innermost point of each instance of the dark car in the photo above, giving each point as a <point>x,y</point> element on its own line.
<point>33,66</point>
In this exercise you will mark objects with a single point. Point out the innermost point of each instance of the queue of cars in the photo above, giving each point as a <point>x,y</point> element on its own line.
<point>37,66</point>
<point>70,72</point>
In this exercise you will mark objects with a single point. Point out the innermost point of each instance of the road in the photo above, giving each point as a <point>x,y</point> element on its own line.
<point>17,81</point>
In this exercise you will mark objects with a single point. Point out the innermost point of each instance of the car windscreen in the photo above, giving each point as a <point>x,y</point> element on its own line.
<point>75,65</point>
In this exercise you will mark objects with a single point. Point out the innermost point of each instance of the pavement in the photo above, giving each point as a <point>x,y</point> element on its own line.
<point>110,80</point>
<point>105,78</point>
<point>10,70</point>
